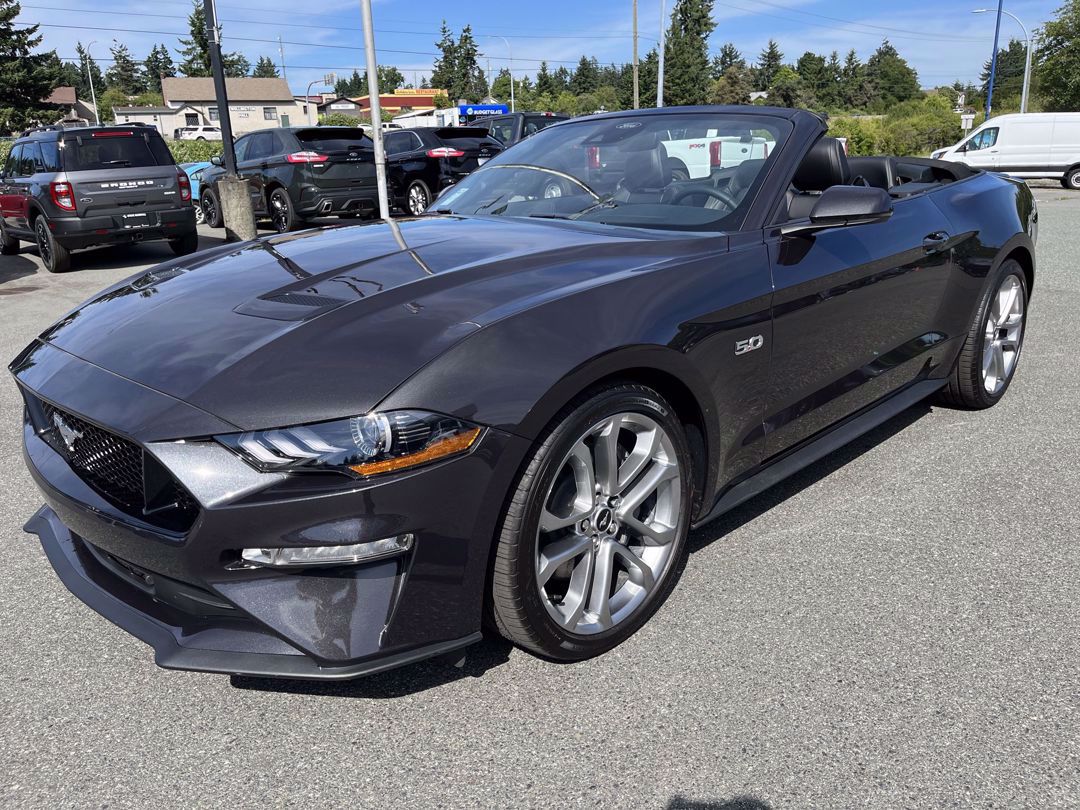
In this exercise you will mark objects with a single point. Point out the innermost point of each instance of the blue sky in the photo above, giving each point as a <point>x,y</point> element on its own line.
<point>942,40</point>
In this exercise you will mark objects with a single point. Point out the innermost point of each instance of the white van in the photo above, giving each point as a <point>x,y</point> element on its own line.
<point>1032,145</point>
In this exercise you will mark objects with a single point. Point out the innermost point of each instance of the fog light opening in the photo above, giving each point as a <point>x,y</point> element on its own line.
<point>305,556</point>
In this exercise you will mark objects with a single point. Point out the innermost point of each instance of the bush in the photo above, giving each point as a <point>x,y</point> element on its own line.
<point>193,151</point>
<point>915,127</point>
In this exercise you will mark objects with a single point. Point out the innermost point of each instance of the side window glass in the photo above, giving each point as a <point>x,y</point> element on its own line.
<point>259,146</point>
<point>30,160</point>
<point>413,141</point>
<point>241,147</point>
<point>395,143</point>
<point>12,165</point>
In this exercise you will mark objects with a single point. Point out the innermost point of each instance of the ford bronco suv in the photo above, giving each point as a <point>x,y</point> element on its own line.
<point>79,188</point>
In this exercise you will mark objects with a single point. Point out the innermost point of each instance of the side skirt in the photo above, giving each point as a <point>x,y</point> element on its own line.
<point>843,433</point>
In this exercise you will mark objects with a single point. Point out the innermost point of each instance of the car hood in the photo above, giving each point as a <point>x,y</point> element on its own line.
<point>323,323</point>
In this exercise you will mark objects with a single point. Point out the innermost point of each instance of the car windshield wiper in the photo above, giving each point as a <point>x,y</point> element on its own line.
<point>607,203</point>
<point>120,162</point>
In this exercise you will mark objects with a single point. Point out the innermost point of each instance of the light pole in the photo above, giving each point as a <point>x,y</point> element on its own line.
<point>326,81</point>
<point>375,108</point>
<point>510,55</point>
<point>993,62</point>
<point>1027,59</point>
<point>90,78</point>
<point>660,64</point>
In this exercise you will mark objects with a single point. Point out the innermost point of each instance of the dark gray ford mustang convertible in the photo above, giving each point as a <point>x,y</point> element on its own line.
<point>328,453</point>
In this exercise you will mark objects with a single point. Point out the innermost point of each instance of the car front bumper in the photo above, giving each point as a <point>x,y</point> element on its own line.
<point>178,592</point>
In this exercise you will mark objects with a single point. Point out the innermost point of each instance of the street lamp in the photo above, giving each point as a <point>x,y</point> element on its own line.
<point>329,80</point>
<point>90,78</point>
<point>1027,60</point>
<point>510,54</point>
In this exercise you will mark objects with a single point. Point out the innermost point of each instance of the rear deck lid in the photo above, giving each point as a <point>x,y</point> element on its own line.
<point>338,157</point>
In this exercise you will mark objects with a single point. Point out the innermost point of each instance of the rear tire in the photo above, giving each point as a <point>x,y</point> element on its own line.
<point>417,198</point>
<point>987,362</point>
<point>211,209</point>
<point>282,215</point>
<point>55,257</point>
<point>186,244</point>
<point>570,521</point>
<point>9,245</point>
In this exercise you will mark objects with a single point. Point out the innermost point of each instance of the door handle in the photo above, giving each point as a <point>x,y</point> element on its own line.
<point>935,241</point>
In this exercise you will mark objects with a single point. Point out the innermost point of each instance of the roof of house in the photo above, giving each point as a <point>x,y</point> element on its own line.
<point>62,95</point>
<point>246,89</point>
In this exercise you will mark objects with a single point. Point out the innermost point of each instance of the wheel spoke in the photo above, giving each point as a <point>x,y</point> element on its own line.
<point>606,451</point>
<point>550,522</point>
<point>1006,301</point>
<point>650,534</point>
<point>639,571</point>
<point>562,551</point>
<point>645,447</point>
<point>577,595</point>
<point>653,478</point>
<point>999,362</point>
<point>600,592</point>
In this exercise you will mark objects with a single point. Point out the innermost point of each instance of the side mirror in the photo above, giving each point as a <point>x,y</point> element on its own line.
<point>216,160</point>
<point>963,147</point>
<point>840,206</point>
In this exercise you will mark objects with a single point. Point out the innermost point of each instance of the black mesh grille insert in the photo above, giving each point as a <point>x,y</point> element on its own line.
<point>114,467</point>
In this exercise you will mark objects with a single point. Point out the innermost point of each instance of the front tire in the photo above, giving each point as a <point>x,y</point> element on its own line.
<point>595,533</point>
<point>55,257</point>
<point>987,362</point>
<point>1071,180</point>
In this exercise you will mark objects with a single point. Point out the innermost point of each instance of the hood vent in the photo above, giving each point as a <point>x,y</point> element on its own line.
<point>289,305</point>
<point>301,299</point>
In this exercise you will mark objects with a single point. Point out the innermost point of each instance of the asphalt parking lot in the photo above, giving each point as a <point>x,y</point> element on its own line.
<point>897,626</point>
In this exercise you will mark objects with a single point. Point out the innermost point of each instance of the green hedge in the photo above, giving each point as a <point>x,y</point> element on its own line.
<point>912,128</point>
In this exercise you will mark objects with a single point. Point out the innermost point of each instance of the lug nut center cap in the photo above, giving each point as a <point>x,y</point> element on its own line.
<point>605,518</point>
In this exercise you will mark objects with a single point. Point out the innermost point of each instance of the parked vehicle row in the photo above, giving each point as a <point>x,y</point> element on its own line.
<point>113,185</point>
<point>297,174</point>
<point>200,133</point>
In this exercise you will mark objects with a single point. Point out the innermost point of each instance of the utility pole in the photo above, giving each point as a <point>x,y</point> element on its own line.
<point>232,190</point>
<point>375,107</point>
<point>660,65</point>
<point>993,61</point>
<point>636,96</point>
<point>281,50</point>
<point>90,78</point>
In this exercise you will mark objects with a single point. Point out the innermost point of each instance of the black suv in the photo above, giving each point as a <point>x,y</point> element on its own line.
<point>298,173</point>
<point>513,127</point>
<point>79,188</point>
<point>423,162</point>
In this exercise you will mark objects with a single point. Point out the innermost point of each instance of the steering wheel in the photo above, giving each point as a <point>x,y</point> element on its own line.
<point>708,191</point>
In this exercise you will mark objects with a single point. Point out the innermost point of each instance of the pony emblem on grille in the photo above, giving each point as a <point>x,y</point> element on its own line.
<point>69,434</point>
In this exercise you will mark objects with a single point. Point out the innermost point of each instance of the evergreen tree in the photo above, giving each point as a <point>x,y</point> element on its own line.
<point>1059,59</point>
<point>124,74</point>
<point>1009,76</point>
<point>235,65</point>
<point>544,81</point>
<point>769,62</point>
<point>25,78</point>
<point>390,78</point>
<point>829,96</point>
<point>686,52</point>
<point>470,82</point>
<point>445,67</point>
<point>789,90</point>
<point>195,55</point>
<point>890,77</point>
<point>500,87</point>
<point>352,87</point>
<point>265,69</point>
<point>728,57</point>
<point>586,77</point>
<point>855,93</point>
<point>560,80</point>
<point>811,68</point>
<point>158,65</point>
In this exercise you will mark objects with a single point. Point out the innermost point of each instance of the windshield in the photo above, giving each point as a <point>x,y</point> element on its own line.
<point>684,171</point>
<point>113,150</point>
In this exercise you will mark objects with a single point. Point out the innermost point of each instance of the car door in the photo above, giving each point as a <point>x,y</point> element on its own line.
<point>980,151</point>
<point>502,129</point>
<point>257,149</point>
<point>8,188</point>
<point>407,160</point>
<point>854,310</point>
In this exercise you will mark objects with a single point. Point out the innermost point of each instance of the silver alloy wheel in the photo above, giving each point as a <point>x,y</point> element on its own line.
<point>1003,331</point>
<point>279,211</point>
<point>418,199</point>
<point>208,204</point>
<point>608,524</point>
<point>200,215</point>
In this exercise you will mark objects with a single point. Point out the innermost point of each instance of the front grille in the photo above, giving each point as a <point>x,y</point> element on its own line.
<point>117,469</point>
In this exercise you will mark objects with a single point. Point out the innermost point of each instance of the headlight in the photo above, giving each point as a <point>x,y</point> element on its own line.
<point>361,446</point>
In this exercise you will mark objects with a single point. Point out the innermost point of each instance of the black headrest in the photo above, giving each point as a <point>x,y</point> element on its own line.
<point>646,169</point>
<point>745,174</point>
<point>824,166</point>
